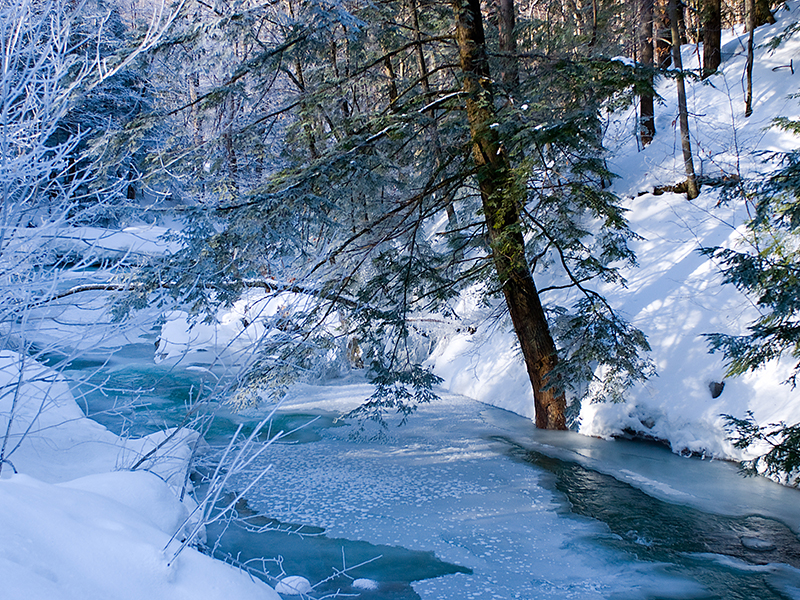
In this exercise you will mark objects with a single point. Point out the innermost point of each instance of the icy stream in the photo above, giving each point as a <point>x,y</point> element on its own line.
<point>469,501</point>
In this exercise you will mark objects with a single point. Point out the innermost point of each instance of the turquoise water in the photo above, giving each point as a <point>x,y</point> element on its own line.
<point>457,504</point>
<point>694,543</point>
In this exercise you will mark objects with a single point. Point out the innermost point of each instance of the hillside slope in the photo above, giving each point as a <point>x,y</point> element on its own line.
<point>674,295</point>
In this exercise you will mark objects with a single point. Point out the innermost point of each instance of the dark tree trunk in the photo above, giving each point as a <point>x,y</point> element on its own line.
<point>762,13</point>
<point>680,10</point>
<point>392,78</point>
<point>663,40</point>
<point>501,199</point>
<point>683,113</point>
<point>508,43</point>
<point>647,112</point>
<point>751,26</point>
<point>712,29</point>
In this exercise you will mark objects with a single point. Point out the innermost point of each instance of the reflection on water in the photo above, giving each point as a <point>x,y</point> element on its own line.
<point>689,539</point>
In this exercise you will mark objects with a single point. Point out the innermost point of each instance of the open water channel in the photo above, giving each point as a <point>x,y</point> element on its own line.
<point>471,502</point>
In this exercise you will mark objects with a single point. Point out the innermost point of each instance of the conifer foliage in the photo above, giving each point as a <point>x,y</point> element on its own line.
<point>361,155</point>
<point>767,268</point>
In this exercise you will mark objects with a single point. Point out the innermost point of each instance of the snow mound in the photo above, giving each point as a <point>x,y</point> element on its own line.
<point>75,523</point>
<point>293,585</point>
<point>365,584</point>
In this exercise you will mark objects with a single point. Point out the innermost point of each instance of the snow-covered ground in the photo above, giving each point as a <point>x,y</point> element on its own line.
<point>76,523</point>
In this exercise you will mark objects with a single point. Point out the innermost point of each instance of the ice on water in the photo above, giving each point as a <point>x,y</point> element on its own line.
<point>442,483</point>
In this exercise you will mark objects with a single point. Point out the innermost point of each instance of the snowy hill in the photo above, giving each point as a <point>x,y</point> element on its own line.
<point>674,295</point>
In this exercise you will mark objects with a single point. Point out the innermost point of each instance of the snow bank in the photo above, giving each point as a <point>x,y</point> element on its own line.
<point>676,295</point>
<point>236,330</point>
<point>96,243</point>
<point>62,543</point>
<point>481,359</point>
<point>61,322</point>
<point>75,523</point>
<point>50,438</point>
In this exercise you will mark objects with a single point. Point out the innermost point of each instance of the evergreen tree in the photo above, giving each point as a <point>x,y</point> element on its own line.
<point>108,194</point>
<point>372,121</point>
<point>768,270</point>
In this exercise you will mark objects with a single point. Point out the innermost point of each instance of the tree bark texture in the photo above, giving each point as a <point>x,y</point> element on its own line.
<point>683,113</point>
<point>508,43</point>
<point>763,14</point>
<point>751,26</point>
<point>712,29</point>
<point>647,125</point>
<point>501,205</point>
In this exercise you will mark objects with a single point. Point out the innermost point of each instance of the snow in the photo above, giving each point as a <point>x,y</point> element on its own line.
<point>233,334</point>
<point>674,295</point>
<point>50,438</point>
<point>62,323</point>
<point>365,584</point>
<point>95,243</point>
<point>293,585</point>
<point>76,522</point>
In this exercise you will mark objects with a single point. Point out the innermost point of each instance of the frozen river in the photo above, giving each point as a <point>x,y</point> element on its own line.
<point>469,501</point>
<point>515,513</point>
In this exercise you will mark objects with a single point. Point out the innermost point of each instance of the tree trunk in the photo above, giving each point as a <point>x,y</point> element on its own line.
<point>712,29</point>
<point>392,78</point>
<point>501,199</point>
<point>508,43</point>
<point>751,26</point>
<point>575,12</point>
<point>197,126</point>
<point>647,125</point>
<point>680,11</point>
<point>683,113</point>
<point>763,14</point>
<point>663,40</point>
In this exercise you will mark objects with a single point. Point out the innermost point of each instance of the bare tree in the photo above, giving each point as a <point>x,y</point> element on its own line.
<point>692,190</point>
<point>751,26</point>
<point>712,29</point>
<point>51,57</point>
<point>647,126</point>
<point>508,42</point>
